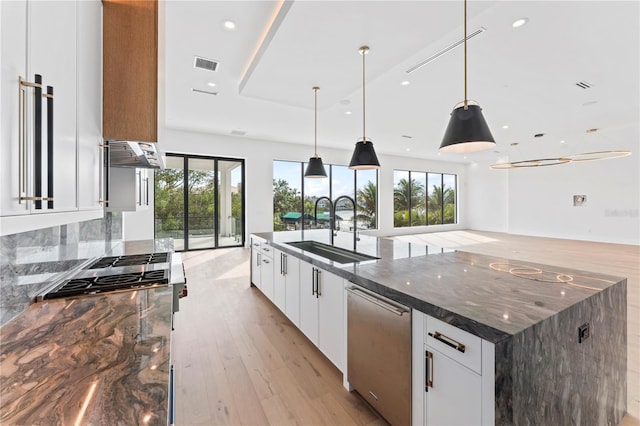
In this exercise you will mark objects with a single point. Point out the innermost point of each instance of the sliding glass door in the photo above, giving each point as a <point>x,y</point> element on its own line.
<point>200,202</point>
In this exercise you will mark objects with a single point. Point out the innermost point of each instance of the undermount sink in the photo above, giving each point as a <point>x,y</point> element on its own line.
<point>330,252</point>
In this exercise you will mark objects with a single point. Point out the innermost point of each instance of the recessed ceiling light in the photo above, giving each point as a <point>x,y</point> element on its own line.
<point>519,22</point>
<point>347,112</point>
<point>408,149</point>
<point>229,24</point>
<point>405,83</point>
<point>211,84</point>
<point>506,126</point>
<point>561,141</point>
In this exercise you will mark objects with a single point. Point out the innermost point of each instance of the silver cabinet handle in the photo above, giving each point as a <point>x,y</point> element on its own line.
<point>428,361</point>
<point>146,197</point>
<point>103,176</point>
<point>448,341</point>
<point>22,139</point>
<point>383,304</point>
<point>285,264</point>
<point>318,293</point>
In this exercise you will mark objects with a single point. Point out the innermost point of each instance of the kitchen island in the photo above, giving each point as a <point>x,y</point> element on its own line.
<point>548,369</point>
<point>90,360</point>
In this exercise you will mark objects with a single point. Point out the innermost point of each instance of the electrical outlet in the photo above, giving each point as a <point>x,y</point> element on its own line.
<point>583,332</point>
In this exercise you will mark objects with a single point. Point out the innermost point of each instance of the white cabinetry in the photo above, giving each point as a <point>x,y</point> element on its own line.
<point>89,86</point>
<point>286,286</point>
<point>322,311</point>
<point>453,375</point>
<point>128,189</point>
<point>61,42</point>
<point>262,266</point>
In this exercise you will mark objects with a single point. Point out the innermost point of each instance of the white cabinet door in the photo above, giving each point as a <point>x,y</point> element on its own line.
<point>128,189</point>
<point>279,280</point>
<point>454,396</point>
<point>308,302</point>
<point>13,63</point>
<point>255,263</point>
<point>330,317</point>
<point>89,85</point>
<point>52,53</point>
<point>292,296</point>
<point>266,276</point>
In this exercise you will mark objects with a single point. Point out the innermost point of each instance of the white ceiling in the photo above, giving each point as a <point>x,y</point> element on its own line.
<point>524,78</point>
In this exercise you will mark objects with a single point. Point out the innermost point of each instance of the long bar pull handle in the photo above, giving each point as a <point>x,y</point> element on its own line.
<point>428,366</point>
<point>448,341</point>
<point>285,264</point>
<point>49,96</point>
<point>258,260</point>
<point>146,183</point>
<point>383,304</point>
<point>318,292</point>
<point>139,187</point>
<point>313,281</point>
<point>103,181</point>
<point>37,142</point>
<point>22,140</point>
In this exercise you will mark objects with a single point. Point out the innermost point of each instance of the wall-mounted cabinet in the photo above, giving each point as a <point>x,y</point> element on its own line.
<point>130,73</point>
<point>50,129</point>
<point>128,189</point>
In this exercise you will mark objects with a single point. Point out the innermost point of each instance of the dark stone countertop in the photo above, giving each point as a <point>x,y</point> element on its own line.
<point>112,351</point>
<point>493,298</point>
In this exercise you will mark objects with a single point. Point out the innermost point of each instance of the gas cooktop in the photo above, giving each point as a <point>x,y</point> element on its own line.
<point>114,273</point>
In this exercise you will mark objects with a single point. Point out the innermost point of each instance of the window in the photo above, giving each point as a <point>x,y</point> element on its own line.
<point>421,198</point>
<point>294,197</point>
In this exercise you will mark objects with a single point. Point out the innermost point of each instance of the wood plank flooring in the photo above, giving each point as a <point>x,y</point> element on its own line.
<point>239,361</point>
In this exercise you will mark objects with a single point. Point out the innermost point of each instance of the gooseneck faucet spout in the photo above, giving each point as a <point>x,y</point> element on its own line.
<point>331,214</point>
<point>355,227</point>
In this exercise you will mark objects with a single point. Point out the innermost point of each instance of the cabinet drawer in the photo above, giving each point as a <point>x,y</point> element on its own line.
<point>266,250</point>
<point>457,344</point>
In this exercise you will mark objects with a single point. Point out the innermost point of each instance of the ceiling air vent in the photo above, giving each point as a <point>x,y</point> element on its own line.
<point>584,85</point>
<point>206,92</point>
<point>238,132</point>
<point>205,64</point>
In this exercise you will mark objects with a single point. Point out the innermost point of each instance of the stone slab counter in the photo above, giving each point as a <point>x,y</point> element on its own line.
<point>545,372</point>
<point>93,360</point>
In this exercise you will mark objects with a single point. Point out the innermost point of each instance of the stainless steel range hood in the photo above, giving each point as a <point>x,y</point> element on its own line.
<point>135,154</point>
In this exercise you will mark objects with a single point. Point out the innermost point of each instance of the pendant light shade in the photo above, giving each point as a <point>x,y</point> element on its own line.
<point>364,156</point>
<point>315,168</point>
<point>467,130</point>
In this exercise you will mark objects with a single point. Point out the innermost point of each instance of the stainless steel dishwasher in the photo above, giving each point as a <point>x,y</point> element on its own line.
<point>379,353</point>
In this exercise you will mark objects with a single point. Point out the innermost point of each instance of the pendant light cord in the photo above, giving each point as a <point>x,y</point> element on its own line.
<point>315,122</point>
<point>363,52</point>
<point>466,103</point>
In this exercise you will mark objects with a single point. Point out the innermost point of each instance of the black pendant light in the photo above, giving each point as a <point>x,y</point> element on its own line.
<point>315,168</point>
<point>467,130</point>
<point>364,156</point>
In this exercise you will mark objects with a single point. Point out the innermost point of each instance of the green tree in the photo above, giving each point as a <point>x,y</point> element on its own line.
<point>285,199</point>
<point>367,199</point>
<point>406,193</point>
<point>434,205</point>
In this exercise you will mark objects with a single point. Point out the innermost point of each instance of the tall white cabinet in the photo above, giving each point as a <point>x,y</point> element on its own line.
<point>62,42</point>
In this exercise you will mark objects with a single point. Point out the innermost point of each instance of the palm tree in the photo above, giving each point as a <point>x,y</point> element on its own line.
<point>406,194</point>
<point>367,199</point>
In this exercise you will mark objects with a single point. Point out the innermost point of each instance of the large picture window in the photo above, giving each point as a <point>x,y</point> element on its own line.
<point>294,197</point>
<point>423,198</point>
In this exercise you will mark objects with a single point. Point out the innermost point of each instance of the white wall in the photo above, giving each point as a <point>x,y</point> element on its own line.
<point>538,201</point>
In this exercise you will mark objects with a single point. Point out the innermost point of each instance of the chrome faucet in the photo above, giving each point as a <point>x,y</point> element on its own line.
<point>331,214</point>
<point>355,227</point>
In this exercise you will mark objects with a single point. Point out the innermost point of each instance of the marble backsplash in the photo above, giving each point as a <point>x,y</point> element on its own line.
<point>30,261</point>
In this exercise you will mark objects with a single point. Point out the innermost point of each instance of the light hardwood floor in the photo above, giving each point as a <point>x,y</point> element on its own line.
<point>238,360</point>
